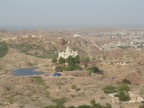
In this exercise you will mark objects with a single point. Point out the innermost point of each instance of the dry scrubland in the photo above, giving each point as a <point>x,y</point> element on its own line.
<point>27,49</point>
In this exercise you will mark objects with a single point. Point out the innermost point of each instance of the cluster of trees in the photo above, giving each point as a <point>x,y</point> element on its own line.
<point>121,91</point>
<point>3,49</point>
<point>93,105</point>
<point>70,60</point>
<point>72,63</point>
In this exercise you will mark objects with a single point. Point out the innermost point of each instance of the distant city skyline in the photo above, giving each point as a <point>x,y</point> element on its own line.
<point>71,13</point>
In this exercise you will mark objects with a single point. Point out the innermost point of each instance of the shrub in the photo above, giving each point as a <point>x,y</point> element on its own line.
<point>95,69</point>
<point>59,69</point>
<point>123,87</point>
<point>97,105</point>
<point>70,60</point>
<point>108,105</point>
<point>61,60</point>
<point>3,49</point>
<point>72,107</point>
<point>126,81</point>
<point>51,106</point>
<point>109,89</point>
<point>73,87</point>
<point>84,106</point>
<point>77,59</point>
<point>123,96</point>
<point>93,103</point>
<point>60,102</point>
<point>72,67</point>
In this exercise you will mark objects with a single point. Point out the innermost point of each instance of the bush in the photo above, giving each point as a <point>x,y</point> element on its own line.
<point>95,69</point>
<point>72,67</point>
<point>123,87</point>
<point>70,60</point>
<point>123,96</point>
<point>73,87</point>
<point>72,107</point>
<point>3,49</point>
<point>84,106</point>
<point>61,60</point>
<point>60,102</point>
<point>108,105</point>
<point>51,106</point>
<point>126,81</point>
<point>109,89</point>
<point>77,59</point>
<point>59,69</point>
<point>97,105</point>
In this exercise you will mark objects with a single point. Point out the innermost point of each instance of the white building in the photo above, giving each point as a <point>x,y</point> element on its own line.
<point>68,52</point>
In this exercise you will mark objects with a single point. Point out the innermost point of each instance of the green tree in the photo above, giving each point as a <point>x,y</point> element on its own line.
<point>61,60</point>
<point>73,63</point>
<point>77,59</point>
<point>70,60</point>
<point>59,69</point>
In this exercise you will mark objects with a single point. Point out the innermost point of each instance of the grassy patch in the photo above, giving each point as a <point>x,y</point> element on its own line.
<point>3,49</point>
<point>38,80</point>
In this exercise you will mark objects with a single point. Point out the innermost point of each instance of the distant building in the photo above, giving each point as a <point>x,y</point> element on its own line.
<point>75,35</point>
<point>68,52</point>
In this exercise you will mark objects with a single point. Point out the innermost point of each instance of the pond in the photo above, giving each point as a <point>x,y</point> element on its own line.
<point>26,72</point>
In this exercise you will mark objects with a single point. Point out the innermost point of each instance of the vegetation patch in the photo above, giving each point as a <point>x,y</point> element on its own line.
<point>95,69</point>
<point>38,80</point>
<point>126,81</point>
<point>72,64</point>
<point>121,91</point>
<point>3,49</point>
<point>93,105</point>
<point>109,89</point>
<point>36,50</point>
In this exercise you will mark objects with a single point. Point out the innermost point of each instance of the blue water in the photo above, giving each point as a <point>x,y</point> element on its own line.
<point>26,72</point>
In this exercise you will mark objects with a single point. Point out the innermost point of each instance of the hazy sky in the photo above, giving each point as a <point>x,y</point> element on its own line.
<point>71,12</point>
